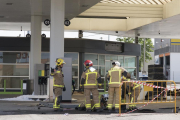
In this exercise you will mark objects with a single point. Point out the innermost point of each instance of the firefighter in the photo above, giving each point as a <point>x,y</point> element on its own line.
<point>58,84</point>
<point>90,80</point>
<point>134,90</point>
<point>114,77</point>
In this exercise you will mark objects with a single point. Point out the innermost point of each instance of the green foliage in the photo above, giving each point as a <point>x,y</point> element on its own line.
<point>149,46</point>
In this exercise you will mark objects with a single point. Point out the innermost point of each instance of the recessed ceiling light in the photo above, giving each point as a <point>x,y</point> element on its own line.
<point>84,5</point>
<point>9,3</point>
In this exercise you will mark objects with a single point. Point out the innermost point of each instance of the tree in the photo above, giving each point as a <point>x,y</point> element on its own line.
<point>149,46</point>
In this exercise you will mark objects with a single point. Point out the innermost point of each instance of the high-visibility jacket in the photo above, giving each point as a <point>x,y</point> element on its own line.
<point>90,78</point>
<point>114,76</point>
<point>135,85</point>
<point>58,78</point>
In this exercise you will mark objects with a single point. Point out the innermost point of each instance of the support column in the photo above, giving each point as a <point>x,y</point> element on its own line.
<point>137,57</point>
<point>81,65</point>
<point>35,45</point>
<point>56,35</point>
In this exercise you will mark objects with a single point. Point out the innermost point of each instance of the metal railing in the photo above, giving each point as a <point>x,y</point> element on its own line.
<point>153,91</point>
<point>6,92</point>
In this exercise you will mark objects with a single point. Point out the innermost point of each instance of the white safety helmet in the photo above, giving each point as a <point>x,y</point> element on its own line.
<point>116,63</point>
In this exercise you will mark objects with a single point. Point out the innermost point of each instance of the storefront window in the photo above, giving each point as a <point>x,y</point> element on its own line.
<point>92,57</point>
<point>111,57</point>
<point>14,57</point>
<point>130,62</point>
<point>101,59</point>
<point>101,71</point>
<point>14,70</point>
<point>45,57</point>
<point>132,71</point>
<point>76,83</point>
<point>11,82</point>
<point>14,67</point>
<point>75,70</point>
<point>74,57</point>
<point>121,60</point>
<point>108,66</point>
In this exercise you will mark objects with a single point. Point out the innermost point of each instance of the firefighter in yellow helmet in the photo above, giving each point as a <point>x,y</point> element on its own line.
<point>58,84</point>
<point>90,79</point>
<point>114,77</point>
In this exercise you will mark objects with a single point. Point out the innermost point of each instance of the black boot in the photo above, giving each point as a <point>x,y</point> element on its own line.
<point>129,109</point>
<point>110,111</point>
<point>88,110</point>
<point>99,110</point>
<point>60,110</point>
<point>116,110</point>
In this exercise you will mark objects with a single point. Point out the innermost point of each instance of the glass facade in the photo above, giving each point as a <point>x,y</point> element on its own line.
<point>14,57</point>
<point>103,63</point>
<point>14,67</point>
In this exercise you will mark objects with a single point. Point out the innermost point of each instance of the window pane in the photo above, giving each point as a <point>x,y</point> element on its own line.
<point>108,66</point>
<point>14,57</point>
<point>132,72</point>
<point>45,58</point>
<point>74,70</point>
<point>101,59</point>
<point>76,83</point>
<point>102,83</point>
<point>92,57</point>
<point>130,62</point>
<point>102,71</point>
<point>14,70</point>
<point>121,60</point>
<point>74,57</point>
<point>11,82</point>
<point>111,57</point>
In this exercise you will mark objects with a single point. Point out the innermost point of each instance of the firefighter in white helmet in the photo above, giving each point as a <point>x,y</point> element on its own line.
<point>114,77</point>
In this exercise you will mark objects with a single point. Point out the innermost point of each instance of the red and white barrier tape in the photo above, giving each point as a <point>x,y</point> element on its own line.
<point>154,86</point>
<point>143,105</point>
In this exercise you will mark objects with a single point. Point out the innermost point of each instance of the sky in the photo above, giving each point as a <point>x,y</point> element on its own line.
<point>66,35</point>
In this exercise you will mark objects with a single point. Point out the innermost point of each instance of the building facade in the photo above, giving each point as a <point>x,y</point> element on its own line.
<point>15,54</point>
<point>167,54</point>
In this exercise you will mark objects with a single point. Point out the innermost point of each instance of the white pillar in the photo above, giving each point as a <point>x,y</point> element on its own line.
<point>56,35</point>
<point>35,44</point>
<point>35,49</point>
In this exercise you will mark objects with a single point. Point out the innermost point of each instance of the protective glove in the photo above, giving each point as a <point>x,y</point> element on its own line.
<point>52,70</point>
<point>64,88</point>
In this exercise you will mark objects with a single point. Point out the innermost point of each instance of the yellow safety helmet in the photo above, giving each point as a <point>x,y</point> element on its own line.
<point>59,62</point>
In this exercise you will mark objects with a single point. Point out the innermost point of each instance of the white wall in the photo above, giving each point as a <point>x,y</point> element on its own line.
<point>175,67</point>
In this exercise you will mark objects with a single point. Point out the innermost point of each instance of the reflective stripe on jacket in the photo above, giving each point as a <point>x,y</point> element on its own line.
<point>114,76</point>
<point>90,78</point>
